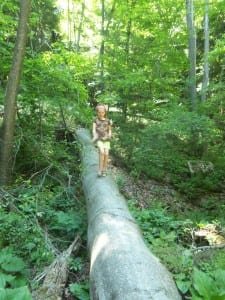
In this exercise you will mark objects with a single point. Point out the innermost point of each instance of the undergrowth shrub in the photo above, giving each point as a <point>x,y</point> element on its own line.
<point>80,291</point>
<point>21,233</point>
<point>198,276</point>
<point>162,149</point>
<point>208,286</point>
<point>69,223</point>
<point>13,277</point>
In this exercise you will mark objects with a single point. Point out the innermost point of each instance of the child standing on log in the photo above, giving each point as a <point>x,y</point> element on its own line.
<point>102,133</point>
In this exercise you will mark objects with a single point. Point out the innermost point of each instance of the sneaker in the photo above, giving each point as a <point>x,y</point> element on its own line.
<point>104,174</point>
<point>100,174</point>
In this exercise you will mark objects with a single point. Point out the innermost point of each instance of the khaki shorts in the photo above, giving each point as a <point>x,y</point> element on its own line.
<point>103,145</point>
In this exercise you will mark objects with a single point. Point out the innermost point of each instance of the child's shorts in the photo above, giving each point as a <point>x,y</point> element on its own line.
<point>103,145</point>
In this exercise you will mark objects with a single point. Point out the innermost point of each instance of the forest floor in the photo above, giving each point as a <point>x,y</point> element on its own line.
<point>146,191</point>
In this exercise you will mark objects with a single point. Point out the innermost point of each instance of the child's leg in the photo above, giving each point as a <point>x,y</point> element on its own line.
<point>101,157</point>
<point>101,162</point>
<point>105,160</point>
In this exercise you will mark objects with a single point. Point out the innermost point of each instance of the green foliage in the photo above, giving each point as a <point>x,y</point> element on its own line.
<point>200,183</point>
<point>10,263</point>
<point>53,92</point>
<point>23,236</point>
<point>146,61</point>
<point>208,286</point>
<point>76,264</point>
<point>70,222</point>
<point>21,293</point>
<point>169,237</point>
<point>44,25</point>
<point>145,71</point>
<point>120,181</point>
<point>80,290</point>
<point>8,23</point>
<point>12,277</point>
<point>162,149</point>
<point>64,73</point>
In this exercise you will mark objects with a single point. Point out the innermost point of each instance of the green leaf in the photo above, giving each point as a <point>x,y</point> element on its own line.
<point>19,281</point>
<point>14,264</point>
<point>3,294</point>
<point>194,297</point>
<point>219,276</point>
<point>217,297</point>
<point>183,286</point>
<point>4,255</point>
<point>21,293</point>
<point>4,278</point>
<point>204,284</point>
<point>80,290</point>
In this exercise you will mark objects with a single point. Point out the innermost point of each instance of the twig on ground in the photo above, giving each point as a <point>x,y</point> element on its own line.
<point>205,248</point>
<point>55,275</point>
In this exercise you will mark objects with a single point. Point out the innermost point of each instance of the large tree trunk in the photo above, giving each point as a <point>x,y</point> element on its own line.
<point>191,52</point>
<point>11,94</point>
<point>122,267</point>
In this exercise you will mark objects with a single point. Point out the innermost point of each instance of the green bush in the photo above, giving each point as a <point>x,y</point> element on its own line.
<point>208,286</point>
<point>80,290</point>
<point>162,149</point>
<point>20,233</point>
<point>69,223</point>
<point>198,274</point>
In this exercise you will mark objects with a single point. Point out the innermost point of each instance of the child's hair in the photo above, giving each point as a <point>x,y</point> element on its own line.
<point>101,106</point>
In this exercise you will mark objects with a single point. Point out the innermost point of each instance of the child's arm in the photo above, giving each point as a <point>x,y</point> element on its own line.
<point>94,133</point>
<point>110,129</point>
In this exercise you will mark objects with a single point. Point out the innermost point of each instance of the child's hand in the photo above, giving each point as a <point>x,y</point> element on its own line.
<point>94,139</point>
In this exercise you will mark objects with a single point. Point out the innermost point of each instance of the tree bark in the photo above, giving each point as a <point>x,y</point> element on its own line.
<point>104,33</point>
<point>205,81</point>
<point>80,26</point>
<point>121,267</point>
<point>11,94</point>
<point>68,23</point>
<point>55,276</point>
<point>191,52</point>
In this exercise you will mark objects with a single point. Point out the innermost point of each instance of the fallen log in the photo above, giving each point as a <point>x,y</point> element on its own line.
<point>55,276</point>
<point>121,266</point>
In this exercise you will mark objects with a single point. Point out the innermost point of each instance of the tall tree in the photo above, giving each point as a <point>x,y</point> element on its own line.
<point>43,25</point>
<point>191,52</point>
<point>79,31</point>
<point>131,7</point>
<point>104,33</point>
<point>68,23</point>
<point>205,80</point>
<point>102,47</point>
<point>11,94</point>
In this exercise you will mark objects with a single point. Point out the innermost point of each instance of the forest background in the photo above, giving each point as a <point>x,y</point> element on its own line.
<point>159,65</point>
